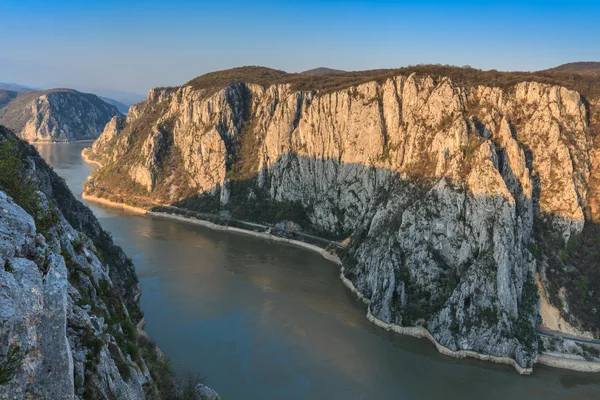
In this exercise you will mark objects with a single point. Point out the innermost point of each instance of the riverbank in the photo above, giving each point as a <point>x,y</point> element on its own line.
<point>419,332</point>
<point>86,158</point>
<point>261,235</point>
<point>562,362</point>
<point>113,204</point>
<point>63,141</point>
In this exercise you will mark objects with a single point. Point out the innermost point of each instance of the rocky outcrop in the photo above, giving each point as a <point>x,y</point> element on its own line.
<point>442,187</point>
<point>58,115</point>
<point>69,311</point>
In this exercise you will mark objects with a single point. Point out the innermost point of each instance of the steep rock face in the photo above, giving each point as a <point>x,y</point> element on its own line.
<point>68,296</point>
<point>59,115</point>
<point>439,185</point>
<point>110,131</point>
<point>46,315</point>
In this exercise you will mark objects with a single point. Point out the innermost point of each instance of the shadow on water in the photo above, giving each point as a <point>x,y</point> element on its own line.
<point>269,321</point>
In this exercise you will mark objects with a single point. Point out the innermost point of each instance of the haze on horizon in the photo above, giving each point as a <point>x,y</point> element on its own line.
<point>135,45</point>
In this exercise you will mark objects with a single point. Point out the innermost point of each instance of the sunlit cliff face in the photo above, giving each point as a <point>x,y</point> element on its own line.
<point>439,185</point>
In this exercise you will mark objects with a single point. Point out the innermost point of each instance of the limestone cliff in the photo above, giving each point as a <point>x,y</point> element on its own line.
<point>444,188</point>
<point>58,115</point>
<point>69,311</point>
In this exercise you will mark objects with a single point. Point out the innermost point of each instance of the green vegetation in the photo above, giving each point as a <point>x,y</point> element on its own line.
<point>20,186</point>
<point>94,344</point>
<point>8,266</point>
<point>168,383</point>
<point>534,250</point>
<point>490,316</point>
<point>577,269</point>
<point>12,179</point>
<point>14,360</point>
<point>244,153</point>
<point>524,326</point>
<point>78,243</point>
<point>22,171</point>
<point>133,350</point>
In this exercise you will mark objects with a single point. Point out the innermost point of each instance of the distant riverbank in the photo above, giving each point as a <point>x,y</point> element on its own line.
<point>85,156</point>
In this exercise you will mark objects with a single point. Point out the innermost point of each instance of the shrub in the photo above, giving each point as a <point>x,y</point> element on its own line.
<point>14,360</point>
<point>129,331</point>
<point>104,287</point>
<point>8,266</point>
<point>67,257</point>
<point>581,278</point>
<point>92,342</point>
<point>133,350</point>
<point>21,188</point>
<point>12,179</point>
<point>78,243</point>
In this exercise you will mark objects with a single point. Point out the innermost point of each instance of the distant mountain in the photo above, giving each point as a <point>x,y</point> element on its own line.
<point>584,67</point>
<point>125,98</point>
<point>15,87</point>
<point>56,115</point>
<point>6,96</point>
<point>323,71</point>
<point>123,108</point>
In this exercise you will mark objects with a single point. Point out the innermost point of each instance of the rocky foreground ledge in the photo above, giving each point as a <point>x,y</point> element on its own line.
<point>70,322</point>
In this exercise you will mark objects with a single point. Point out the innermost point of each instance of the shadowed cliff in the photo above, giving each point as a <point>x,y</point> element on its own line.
<point>454,196</point>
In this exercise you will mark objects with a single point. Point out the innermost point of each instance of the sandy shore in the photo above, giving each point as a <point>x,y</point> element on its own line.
<point>113,204</point>
<point>557,361</point>
<point>419,332</point>
<point>262,235</point>
<point>88,160</point>
<point>63,141</point>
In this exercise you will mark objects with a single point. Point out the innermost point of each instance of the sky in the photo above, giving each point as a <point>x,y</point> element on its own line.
<point>134,45</point>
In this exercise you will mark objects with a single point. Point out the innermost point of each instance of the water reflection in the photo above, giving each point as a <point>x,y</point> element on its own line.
<point>269,321</point>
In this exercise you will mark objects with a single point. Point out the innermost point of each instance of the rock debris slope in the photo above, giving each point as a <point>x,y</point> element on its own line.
<point>444,188</point>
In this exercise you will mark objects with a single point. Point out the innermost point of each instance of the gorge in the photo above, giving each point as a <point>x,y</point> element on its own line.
<point>464,195</point>
<point>461,206</point>
<point>266,320</point>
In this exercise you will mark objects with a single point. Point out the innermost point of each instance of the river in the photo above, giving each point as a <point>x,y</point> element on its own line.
<point>263,320</point>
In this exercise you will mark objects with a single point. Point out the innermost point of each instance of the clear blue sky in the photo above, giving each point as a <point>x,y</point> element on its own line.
<point>135,45</point>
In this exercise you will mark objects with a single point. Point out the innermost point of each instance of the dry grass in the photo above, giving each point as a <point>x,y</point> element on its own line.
<point>586,84</point>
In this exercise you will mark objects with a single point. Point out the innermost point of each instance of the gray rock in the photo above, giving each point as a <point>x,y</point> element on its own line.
<point>439,186</point>
<point>58,294</point>
<point>58,115</point>
<point>206,393</point>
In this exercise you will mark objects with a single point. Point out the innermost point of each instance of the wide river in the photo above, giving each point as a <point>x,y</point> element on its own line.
<point>263,320</point>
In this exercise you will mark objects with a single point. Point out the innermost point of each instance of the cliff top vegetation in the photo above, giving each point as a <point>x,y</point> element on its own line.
<point>586,84</point>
